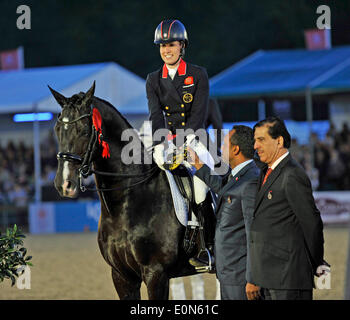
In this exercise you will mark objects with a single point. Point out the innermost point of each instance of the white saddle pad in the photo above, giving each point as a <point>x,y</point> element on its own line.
<point>180,204</point>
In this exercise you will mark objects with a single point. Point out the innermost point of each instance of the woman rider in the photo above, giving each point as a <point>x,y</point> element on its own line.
<point>177,97</point>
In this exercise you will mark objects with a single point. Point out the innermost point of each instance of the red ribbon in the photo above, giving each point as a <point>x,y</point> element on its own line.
<point>97,122</point>
<point>171,136</point>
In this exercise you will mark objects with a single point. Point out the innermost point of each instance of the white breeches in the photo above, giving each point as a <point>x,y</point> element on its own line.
<point>200,190</point>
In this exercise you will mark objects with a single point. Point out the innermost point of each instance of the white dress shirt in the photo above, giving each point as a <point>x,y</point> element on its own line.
<point>172,72</point>
<point>239,167</point>
<point>277,162</point>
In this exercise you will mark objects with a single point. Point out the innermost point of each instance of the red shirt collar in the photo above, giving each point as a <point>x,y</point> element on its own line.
<point>181,70</point>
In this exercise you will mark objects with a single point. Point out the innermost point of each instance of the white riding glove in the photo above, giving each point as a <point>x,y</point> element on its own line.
<point>158,155</point>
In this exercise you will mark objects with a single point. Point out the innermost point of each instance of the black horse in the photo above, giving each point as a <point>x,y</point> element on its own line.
<point>138,234</point>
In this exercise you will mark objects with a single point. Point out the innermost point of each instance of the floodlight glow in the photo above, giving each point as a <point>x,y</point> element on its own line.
<point>30,117</point>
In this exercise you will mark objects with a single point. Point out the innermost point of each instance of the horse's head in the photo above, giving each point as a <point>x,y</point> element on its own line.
<point>74,133</point>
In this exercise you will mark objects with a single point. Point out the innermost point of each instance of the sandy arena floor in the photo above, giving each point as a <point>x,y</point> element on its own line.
<point>70,266</point>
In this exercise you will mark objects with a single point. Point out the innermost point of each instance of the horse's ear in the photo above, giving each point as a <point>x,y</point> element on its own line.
<point>89,94</point>
<point>62,100</point>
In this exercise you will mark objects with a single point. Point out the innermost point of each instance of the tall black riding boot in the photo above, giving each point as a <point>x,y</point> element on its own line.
<point>207,220</point>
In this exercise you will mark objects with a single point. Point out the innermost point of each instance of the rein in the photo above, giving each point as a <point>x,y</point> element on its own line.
<point>85,169</point>
<point>151,171</point>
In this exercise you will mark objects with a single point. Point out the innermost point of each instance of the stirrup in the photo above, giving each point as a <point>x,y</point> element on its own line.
<point>202,266</point>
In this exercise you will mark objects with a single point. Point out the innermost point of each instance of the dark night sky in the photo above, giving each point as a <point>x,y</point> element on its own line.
<point>221,32</point>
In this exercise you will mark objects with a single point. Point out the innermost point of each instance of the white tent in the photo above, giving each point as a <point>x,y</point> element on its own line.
<point>26,90</point>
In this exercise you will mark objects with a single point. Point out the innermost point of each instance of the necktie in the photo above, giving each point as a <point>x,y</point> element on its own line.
<point>268,172</point>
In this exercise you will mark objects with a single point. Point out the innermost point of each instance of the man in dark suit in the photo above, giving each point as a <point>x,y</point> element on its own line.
<point>286,236</point>
<point>236,198</point>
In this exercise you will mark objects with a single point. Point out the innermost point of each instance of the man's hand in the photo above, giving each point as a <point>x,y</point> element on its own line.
<point>252,291</point>
<point>193,159</point>
<point>323,269</point>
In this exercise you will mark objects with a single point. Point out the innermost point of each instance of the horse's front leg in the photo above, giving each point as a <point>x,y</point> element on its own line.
<point>157,283</point>
<point>127,288</point>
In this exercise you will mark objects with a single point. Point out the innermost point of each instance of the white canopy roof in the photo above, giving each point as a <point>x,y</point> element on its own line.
<point>26,90</point>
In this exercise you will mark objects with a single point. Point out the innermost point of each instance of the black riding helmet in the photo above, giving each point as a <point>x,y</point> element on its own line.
<point>170,30</point>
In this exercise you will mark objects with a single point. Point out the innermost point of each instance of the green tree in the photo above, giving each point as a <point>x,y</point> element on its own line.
<point>12,255</point>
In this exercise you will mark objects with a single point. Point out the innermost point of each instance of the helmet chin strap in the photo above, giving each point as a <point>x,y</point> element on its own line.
<point>173,64</point>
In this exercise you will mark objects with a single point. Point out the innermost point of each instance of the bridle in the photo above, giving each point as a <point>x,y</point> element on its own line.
<point>75,158</point>
<point>85,162</point>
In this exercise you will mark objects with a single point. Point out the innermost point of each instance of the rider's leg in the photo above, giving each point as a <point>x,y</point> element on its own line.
<point>204,212</point>
<point>200,190</point>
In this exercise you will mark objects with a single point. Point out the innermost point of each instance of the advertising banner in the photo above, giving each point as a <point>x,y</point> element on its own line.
<point>73,216</point>
<point>42,218</point>
<point>334,206</point>
<point>70,216</point>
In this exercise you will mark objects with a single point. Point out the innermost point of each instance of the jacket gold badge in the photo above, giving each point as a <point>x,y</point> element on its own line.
<point>229,199</point>
<point>269,195</point>
<point>187,98</point>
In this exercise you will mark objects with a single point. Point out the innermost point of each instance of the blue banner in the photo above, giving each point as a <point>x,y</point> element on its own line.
<point>71,216</point>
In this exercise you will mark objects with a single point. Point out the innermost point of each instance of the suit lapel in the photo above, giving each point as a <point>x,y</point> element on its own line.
<point>233,181</point>
<point>180,76</point>
<point>270,180</point>
<point>178,82</point>
<point>261,177</point>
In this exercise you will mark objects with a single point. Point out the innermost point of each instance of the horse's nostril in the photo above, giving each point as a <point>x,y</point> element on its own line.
<point>70,185</point>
